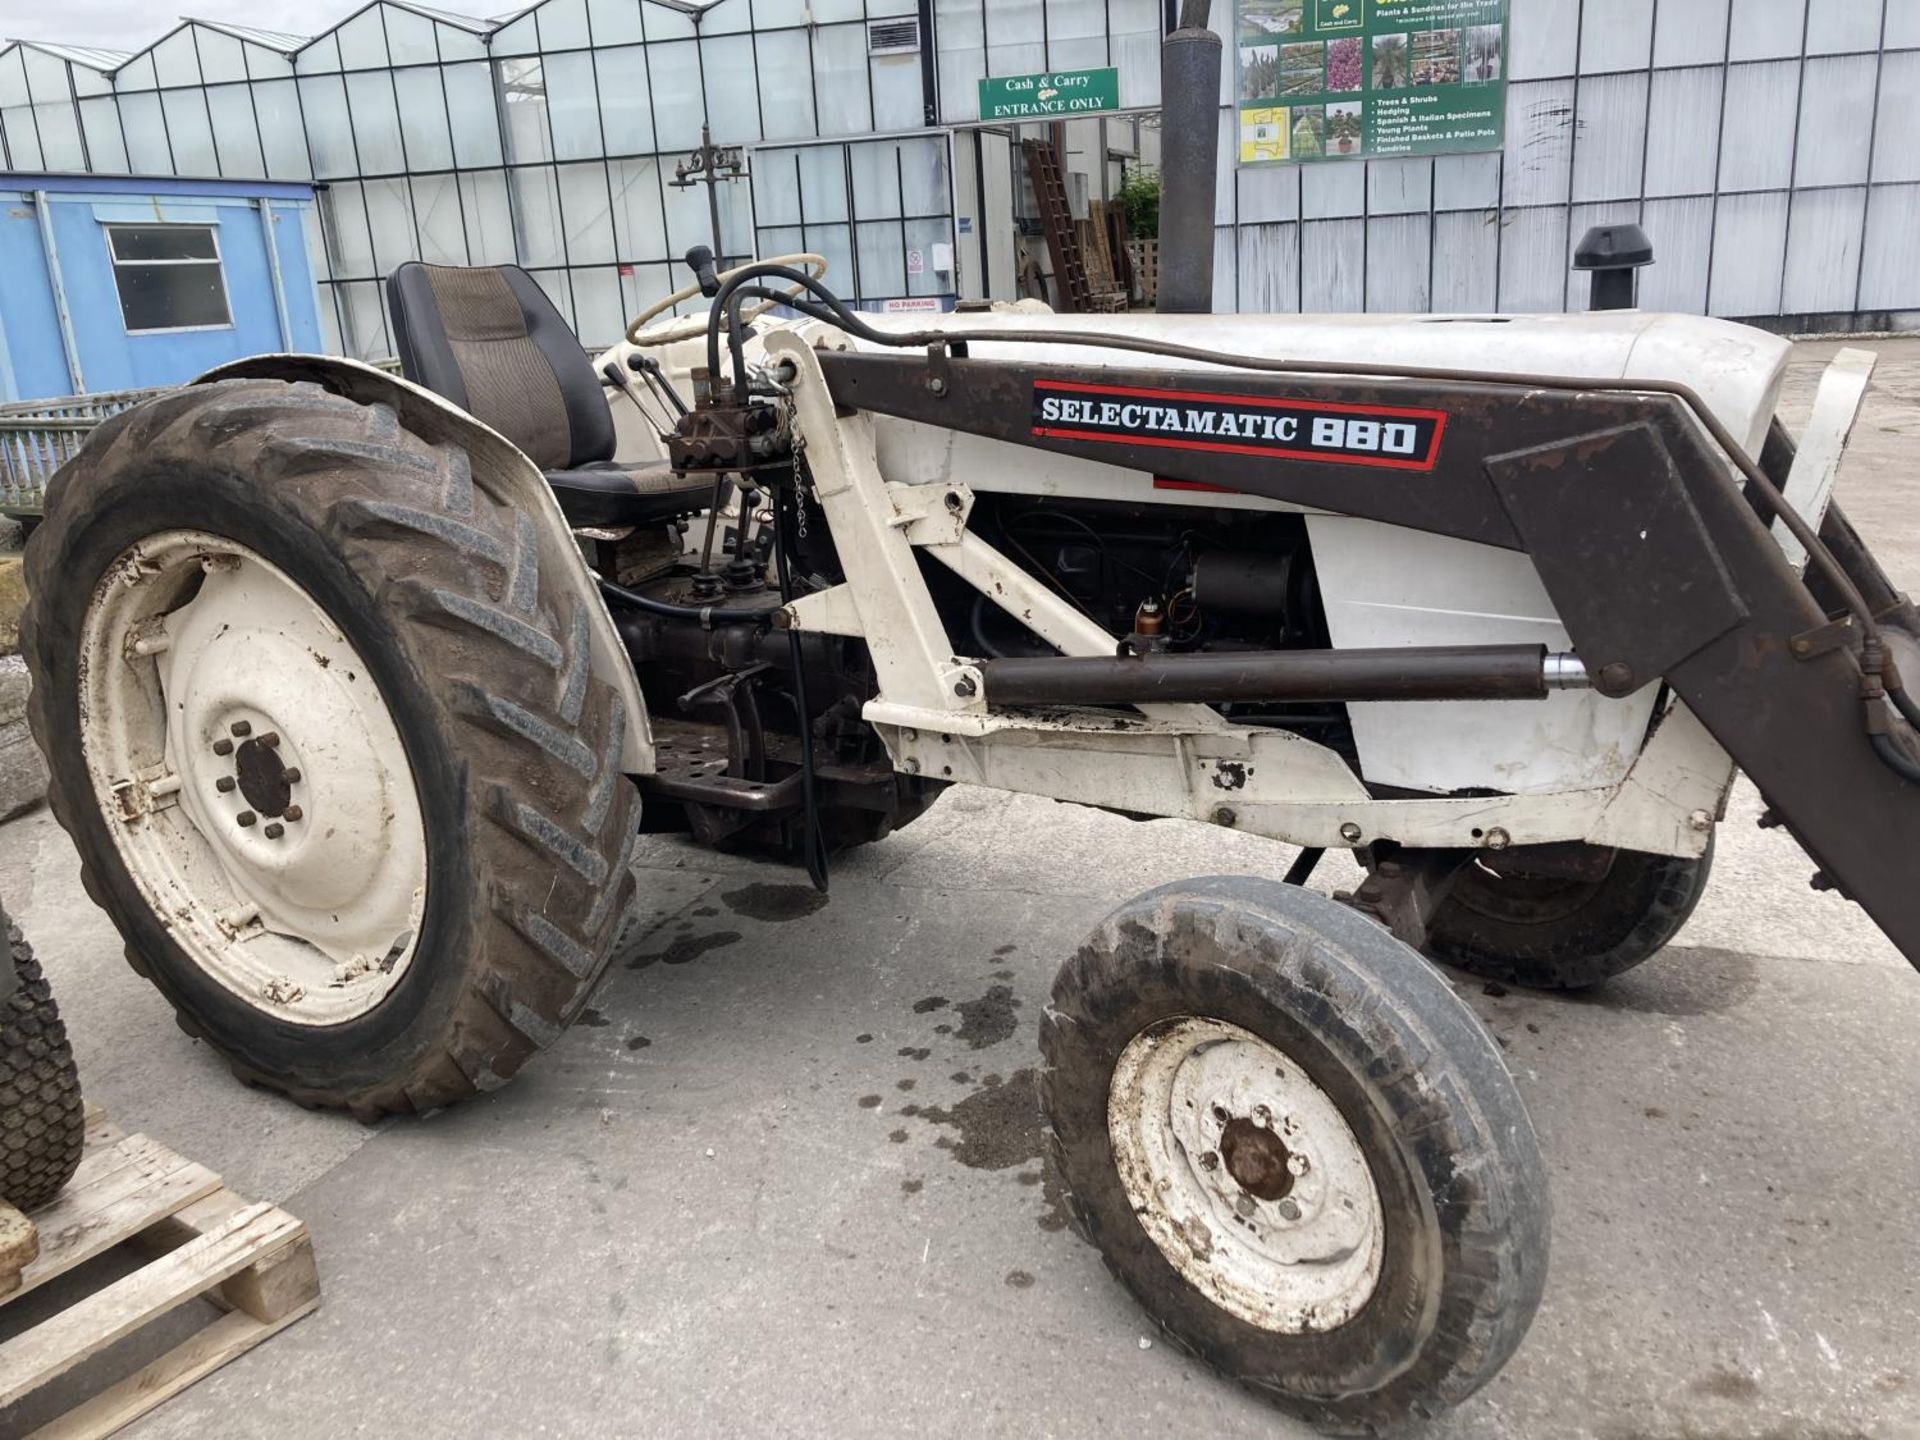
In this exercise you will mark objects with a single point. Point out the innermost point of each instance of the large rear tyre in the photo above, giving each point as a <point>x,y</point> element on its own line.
<point>42,1119</point>
<point>1565,931</point>
<point>1298,1150</point>
<point>321,722</point>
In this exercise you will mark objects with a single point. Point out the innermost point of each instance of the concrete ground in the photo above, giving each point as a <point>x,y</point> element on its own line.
<point>784,1178</point>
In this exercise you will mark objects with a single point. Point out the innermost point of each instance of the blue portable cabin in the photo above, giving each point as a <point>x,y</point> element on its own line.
<point>112,283</point>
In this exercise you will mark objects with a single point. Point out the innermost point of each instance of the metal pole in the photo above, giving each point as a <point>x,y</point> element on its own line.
<point>45,212</point>
<point>1189,162</point>
<point>708,168</point>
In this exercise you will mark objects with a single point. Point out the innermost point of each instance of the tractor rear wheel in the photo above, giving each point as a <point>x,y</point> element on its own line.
<point>1565,932</point>
<point>1297,1148</point>
<point>322,726</point>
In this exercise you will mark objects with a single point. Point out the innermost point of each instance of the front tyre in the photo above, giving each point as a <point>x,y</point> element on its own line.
<point>320,720</point>
<point>1297,1149</point>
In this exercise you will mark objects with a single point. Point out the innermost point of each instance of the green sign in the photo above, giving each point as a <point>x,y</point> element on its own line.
<point>1051,96</point>
<point>1368,79</point>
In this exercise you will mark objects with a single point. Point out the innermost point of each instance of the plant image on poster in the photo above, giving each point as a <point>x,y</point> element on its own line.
<point>1369,79</point>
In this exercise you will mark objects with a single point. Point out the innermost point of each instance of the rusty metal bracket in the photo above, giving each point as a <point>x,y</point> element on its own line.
<point>1834,635</point>
<point>1403,890</point>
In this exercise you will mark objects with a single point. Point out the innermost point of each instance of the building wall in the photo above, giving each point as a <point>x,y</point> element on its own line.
<point>1770,147</point>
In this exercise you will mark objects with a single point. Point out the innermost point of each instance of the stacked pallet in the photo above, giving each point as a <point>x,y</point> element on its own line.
<point>198,1240</point>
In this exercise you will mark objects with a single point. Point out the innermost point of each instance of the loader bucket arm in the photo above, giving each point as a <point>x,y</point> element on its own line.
<point>1637,523</point>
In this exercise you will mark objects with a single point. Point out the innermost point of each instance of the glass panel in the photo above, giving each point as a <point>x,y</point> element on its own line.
<point>436,208</point>
<point>146,135</point>
<point>13,78</point>
<point>476,123</point>
<point>376,123</point>
<point>727,17</point>
<point>625,110</point>
<point>162,242</point>
<point>776,187</point>
<point>349,246</point>
<point>563,25</point>
<point>835,244</point>
<point>961,56</point>
<point>283,139</point>
<point>688,222</point>
<point>677,100</point>
<point>409,37</point>
<point>523,88</point>
<point>171,297</point>
<point>572,111</point>
<point>785,68</point>
<point>1756,147</point>
<point>882,259</point>
<point>390,213</point>
<point>639,221</point>
<point>329,132</point>
<point>823,183</point>
<point>554,282</point>
<point>833,12</point>
<point>775,14</point>
<point>89,81</point>
<point>362,44</point>
<point>265,64</point>
<point>877,182</point>
<point>897,102</point>
<point>423,119</point>
<point>536,213</point>
<point>923,172</point>
<point>234,135</point>
<point>1136,53</point>
<point>731,99</point>
<point>840,79</point>
<point>1836,119</point>
<point>58,121</point>
<point>1016,37</point>
<point>105,147</point>
<point>220,57</point>
<point>23,137</point>
<point>615,22</point>
<point>137,74</point>
<point>174,61</point>
<point>1683,102</point>
<point>483,195</point>
<point>458,44</point>
<point>519,38</point>
<point>583,200</point>
<point>366,321</point>
<point>323,55</point>
<point>923,236</point>
<point>663,22</point>
<point>189,132</point>
<point>599,314</point>
<point>781,239</point>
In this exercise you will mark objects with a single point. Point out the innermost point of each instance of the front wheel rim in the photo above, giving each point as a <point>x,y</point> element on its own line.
<point>252,778</point>
<point>1246,1176</point>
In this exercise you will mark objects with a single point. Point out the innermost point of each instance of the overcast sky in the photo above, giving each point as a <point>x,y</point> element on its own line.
<point>136,24</point>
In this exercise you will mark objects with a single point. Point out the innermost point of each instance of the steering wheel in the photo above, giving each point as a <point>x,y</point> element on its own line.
<point>685,327</point>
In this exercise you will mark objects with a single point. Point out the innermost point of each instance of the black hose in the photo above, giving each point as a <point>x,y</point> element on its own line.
<point>706,616</point>
<point>813,844</point>
<point>1895,759</point>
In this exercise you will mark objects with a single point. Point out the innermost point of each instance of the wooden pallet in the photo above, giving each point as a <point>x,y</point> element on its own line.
<point>254,1262</point>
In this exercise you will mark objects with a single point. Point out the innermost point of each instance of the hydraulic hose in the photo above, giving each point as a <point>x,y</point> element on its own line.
<point>705,616</point>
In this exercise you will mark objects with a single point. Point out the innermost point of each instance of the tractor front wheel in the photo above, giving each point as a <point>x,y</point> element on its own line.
<point>321,723</point>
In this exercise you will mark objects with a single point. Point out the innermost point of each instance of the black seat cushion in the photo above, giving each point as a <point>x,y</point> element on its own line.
<point>608,496</point>
<point>488,339</point>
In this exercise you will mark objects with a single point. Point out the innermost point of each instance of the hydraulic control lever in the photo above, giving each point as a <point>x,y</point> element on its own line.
<point>700,260</point>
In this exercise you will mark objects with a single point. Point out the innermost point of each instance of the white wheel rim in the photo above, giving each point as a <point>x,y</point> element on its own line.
<point>1246,1175</point>
<point>212,689</point>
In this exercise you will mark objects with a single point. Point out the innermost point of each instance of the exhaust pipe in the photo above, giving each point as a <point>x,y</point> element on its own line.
<point>1189,162</point>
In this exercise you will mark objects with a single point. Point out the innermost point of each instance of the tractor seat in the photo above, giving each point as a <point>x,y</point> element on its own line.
<point>488,339</point>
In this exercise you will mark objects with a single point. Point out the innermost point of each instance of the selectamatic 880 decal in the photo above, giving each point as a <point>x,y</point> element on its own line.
<point>1393,437</point>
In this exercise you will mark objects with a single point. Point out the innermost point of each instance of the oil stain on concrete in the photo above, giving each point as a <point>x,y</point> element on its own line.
<point>774,904</point>
<point>685,948</point>
<point>990,1019</point>
<point>997,1127</point>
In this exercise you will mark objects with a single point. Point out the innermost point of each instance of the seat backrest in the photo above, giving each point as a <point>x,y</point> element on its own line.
<point>489,340</point>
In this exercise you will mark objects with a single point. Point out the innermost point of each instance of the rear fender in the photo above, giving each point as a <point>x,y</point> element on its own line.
<point>503,471</point>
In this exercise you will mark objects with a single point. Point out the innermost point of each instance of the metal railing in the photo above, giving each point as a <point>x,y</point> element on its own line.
<point>37,437</point>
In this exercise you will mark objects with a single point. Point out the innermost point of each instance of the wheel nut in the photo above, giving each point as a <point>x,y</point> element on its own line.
<point>1289,1209</point>
<point>240,729</point>
<point>273,830</point>
<point>271,739</point>
<point>223,746</point>
<point>291,775</point>
<point>1210,1161</point>
<point>1297,1164</point>
<point>245,819</point>
<point>1350,833</point>
<point>292,812</point>
<point>1245,1205</point>
<point>225,784</point>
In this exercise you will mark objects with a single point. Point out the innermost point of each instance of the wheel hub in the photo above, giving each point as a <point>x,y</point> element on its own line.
<point>261,795</point>
<point>1246,1175</point>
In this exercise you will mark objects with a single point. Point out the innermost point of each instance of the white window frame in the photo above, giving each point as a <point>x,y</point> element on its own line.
<point>219,263</point>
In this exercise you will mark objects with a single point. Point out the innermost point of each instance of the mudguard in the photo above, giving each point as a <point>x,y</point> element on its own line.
<point>502,469</point>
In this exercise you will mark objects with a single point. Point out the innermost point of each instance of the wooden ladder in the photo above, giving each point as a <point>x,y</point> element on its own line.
<point>1056,216</point>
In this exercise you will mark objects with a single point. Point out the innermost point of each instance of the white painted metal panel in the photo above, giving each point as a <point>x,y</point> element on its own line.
<point>1386,586</point>
<point>1611,137</point>
<point>1836,121</point>
<point>1542,40</point>
<point>1836,27</point>
<point>1892,248</point>
<point>1749,251</point>
<point>1617,35</point>
<point>1268,194</point>
<point>1903,25</point>
<point>1466,182</point>
<point>1466,267</point>
<point>1683,130</point>
<point>1824,232</point>
<point>1400,187</point>
<point>1766,29</point>
<point>1756,142</point>
<point>1332,191</point>
<point>1226,268</point>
